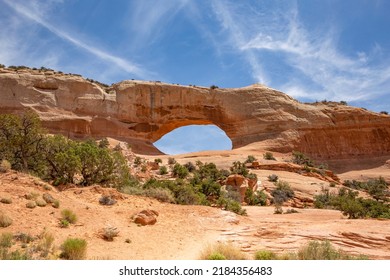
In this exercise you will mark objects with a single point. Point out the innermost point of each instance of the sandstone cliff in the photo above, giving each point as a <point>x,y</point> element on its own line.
<point>142,112</point>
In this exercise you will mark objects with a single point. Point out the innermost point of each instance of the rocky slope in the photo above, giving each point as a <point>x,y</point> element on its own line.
<point>142,112</point>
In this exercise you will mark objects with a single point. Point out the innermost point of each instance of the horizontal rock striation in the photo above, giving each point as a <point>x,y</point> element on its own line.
<point>142,112</point>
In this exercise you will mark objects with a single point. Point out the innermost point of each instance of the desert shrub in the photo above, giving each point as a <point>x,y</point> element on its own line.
<point>5,166</point>
<point>239,168</point>
<point>6,200</point>
<point>255,198</point>
<point>163,195</point>
<point>74,249</point>
<point>69,215</point>
<point>48,198</point>
<point>46,240</point>
<point>250,159</point>
<point>107,200</point>
<point>163,170</point>
<point>56,204</point>
<point>21,141</point>
<point>213,87</point>
<point>179,171</point>
<point>31,204</point>
<point>265,255</point>
<point>40,202</point>
<point>5,220</point>
<point>137,161</point>
<point>6,240</point>
<point>291,211</point>
<point>383,112</point>
<point>210,188</point>
<point>24,237</point>
<point>171,161</point>
<point>224,251</point>
<point>190,166</point>
<point>104,143</point>
<point>108,233</point>
<point>64,223</point>
<point>232,205</point>
<point>63,161</point>
<point>282,192</point>
<point>216,256</point>
<point>315,250</point>
<point>158,160</point>
<point>268,156</point>
<point>273,178</point>
<point>278,209</point>
<point>208,171</point>
<point>302,159</point>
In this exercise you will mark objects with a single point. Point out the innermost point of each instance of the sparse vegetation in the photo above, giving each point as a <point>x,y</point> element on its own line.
<point>171,161</point>
<point>6,200</point>
<point>273,178</point>
<point>180,171</point>
<point>31,204</point>
<point>107,200</point>
<point>268,156</point>
<point>282,192</point>
<point>302,159</point>
<point>213,87</point>
<point>163,170</point>
<point>250,159</point>
<point>5,220</point>
<point>41,202</point>
<point>74,249</point>
<point>222,251</point>
<point>265,255</point>
<point>69,216</point>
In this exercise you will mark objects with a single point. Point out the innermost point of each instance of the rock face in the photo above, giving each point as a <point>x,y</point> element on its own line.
<point>142,112</point>
<point>240,184</point>
<point>146,217</point>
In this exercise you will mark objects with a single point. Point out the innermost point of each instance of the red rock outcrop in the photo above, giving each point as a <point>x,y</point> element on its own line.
<point>142,112</point>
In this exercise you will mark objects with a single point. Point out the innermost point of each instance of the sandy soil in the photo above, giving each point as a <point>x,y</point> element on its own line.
<point>182,232</point>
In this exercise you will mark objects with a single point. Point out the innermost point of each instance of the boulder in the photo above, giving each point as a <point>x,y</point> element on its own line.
<point>146,217</point>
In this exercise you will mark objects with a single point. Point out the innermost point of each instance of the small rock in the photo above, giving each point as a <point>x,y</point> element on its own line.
<point>146,217</point>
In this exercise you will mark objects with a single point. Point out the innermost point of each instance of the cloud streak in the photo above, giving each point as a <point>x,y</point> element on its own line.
<point>32,14</point>
<point>317,68</point>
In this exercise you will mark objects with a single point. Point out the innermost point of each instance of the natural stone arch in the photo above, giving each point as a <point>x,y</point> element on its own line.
<point>140,112</point>
<point>194,138</point>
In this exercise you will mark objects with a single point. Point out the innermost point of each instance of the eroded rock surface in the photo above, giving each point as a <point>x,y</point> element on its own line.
<point>142,112</point>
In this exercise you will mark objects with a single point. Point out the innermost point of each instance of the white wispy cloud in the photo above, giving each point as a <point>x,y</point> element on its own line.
<point>35,12</point>
<point>148,19</point>
<point>320,69</point>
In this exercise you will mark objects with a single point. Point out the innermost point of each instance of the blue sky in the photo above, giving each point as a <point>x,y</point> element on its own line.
<point>310,49</point>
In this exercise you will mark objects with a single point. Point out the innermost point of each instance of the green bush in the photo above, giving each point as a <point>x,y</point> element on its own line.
<point>179,171</point>
<point>171,161</point>
<point>239,168</point>
<point>222,251</point>
<point>6,240</point>
<point>273,178</point>
<point>163,170</point>
<point>282,192</point>
<point>158,160</point>
<point>250,159</point>
<point>255,198</point>
<point>163,195</point>
<point>74,249</point>
<point>268,156</point>
<point>232,205</point>
<point>301,159</point>
<point>190,166</point>
<point>69,215</point>
<point>265,255</point>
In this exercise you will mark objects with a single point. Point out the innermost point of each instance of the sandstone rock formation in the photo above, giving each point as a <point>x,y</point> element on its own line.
<point>240,184</point>
<point>142,112</point>
<point>146,217</point>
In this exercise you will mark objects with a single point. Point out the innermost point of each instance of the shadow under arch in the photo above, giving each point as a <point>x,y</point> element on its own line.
<point>194,138</point>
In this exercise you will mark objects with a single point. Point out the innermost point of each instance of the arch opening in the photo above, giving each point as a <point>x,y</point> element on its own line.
<point>194,138</point>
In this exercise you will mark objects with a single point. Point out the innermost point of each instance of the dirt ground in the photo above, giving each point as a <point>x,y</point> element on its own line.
<point>182,232</point>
